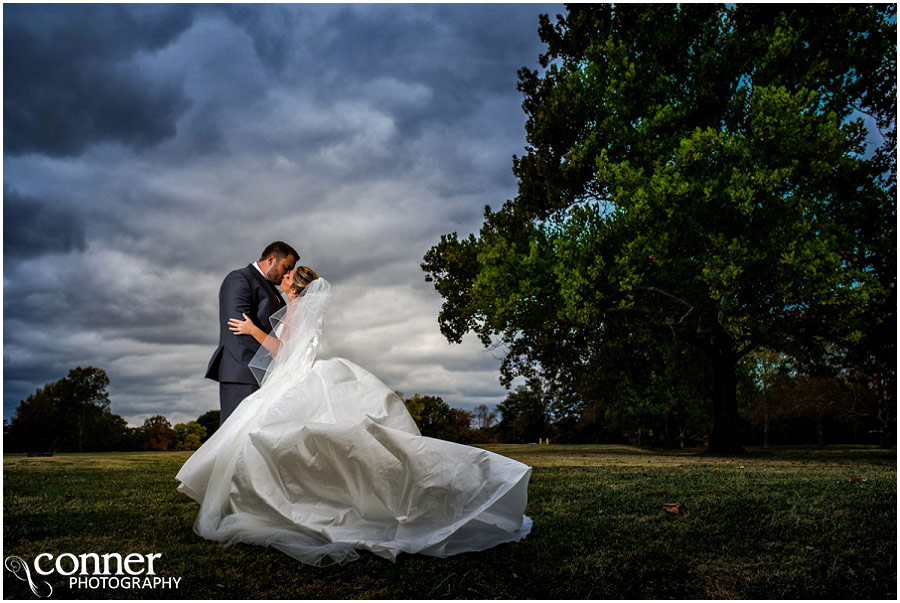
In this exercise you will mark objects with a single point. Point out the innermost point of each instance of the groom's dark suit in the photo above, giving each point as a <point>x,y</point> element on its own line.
<point>244,291</point>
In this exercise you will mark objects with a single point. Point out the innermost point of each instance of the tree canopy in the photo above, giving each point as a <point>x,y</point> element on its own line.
<point>700,181</point>
<point>71,415</point>
<point>437,419</point>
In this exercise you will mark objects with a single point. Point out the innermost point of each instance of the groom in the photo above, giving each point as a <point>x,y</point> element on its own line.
<point>253,291</point>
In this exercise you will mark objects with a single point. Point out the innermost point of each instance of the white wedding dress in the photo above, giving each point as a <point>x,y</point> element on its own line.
<point>324,460</point>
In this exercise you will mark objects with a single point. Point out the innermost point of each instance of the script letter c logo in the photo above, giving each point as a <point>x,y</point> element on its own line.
<point>20,570</point>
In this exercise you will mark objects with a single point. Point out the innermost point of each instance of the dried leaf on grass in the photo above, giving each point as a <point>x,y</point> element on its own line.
<point>859,479</point>
<point>675,508</point>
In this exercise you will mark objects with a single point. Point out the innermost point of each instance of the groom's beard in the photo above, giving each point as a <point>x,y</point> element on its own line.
<point>272,276</point>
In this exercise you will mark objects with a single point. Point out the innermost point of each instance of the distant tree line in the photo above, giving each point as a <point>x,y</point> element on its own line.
<point>782,401</point>
<point>437,419</point>
<point>73,415</point>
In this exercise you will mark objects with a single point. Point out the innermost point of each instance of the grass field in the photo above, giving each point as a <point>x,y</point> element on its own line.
<point>788,523</point>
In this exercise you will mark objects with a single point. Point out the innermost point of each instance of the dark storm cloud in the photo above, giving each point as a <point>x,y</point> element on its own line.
<point>32,227</point>
<point>358,133</point>
<point>463,56</point>
<point>68,81</point>
<point>151,306</point>
<point>272,28</point>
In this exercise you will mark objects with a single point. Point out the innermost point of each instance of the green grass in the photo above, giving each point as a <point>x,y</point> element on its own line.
<point>788,523</point>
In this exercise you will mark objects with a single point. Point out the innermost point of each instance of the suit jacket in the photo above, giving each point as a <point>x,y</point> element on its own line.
<point>243,291</point>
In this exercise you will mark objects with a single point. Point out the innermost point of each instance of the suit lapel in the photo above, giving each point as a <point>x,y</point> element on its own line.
<point>268,287</point>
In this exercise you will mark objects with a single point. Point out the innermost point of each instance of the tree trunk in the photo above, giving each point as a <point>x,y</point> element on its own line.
<point>820,430</point>
<point>887,414</point>
<point>766,428</point>
<point>726,432</point>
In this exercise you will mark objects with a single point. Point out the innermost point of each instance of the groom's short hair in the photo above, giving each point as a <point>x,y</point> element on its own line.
<point>280,250</point>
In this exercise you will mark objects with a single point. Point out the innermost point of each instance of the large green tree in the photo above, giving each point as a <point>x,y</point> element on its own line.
<point>710,178</point>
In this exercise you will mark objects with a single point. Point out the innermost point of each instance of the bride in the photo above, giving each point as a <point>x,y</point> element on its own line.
<point>324,460</point>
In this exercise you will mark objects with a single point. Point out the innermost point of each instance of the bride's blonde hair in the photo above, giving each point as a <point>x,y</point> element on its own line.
<point>303,276</point>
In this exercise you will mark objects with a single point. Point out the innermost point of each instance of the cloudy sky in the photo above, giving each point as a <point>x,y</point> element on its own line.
<point>151,149</point>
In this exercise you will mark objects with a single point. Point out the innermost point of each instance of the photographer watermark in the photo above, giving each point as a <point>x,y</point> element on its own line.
<point>91,570</point>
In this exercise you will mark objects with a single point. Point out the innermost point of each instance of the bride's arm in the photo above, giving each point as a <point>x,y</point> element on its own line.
<point>246,327</point>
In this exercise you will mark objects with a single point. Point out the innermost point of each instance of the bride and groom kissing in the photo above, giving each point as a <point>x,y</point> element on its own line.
<point>254,293</point>
<point>317,457</point>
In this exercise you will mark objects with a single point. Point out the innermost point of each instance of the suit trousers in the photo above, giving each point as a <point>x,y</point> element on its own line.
<point>230,395</point>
